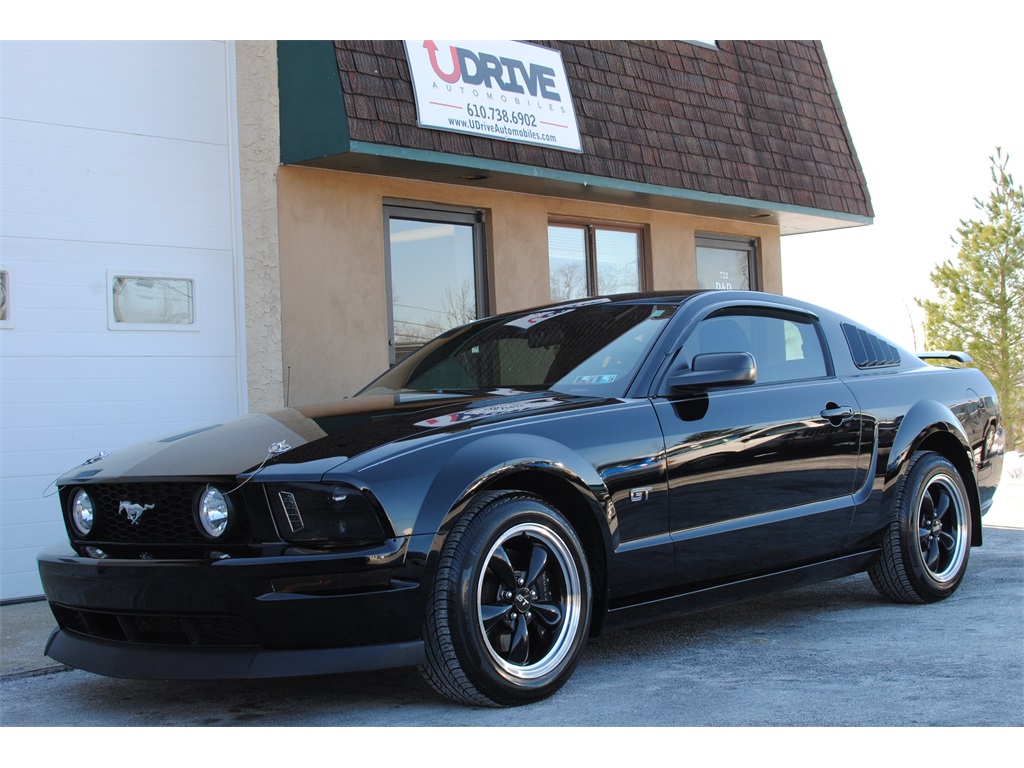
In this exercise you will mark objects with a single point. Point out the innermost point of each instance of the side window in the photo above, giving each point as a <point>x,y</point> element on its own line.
<point>785,347</point>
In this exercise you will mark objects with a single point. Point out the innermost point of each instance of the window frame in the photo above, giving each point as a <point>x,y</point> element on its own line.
<point>436,214</point>
<point>590,229</point>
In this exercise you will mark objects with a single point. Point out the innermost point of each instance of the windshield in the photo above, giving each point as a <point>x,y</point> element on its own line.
<point>588,348</point>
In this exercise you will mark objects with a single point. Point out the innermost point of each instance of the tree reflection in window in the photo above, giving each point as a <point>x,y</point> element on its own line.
<point>586,260</point>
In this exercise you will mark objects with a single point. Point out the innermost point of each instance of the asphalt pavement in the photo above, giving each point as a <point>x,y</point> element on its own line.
<point>834,654</point>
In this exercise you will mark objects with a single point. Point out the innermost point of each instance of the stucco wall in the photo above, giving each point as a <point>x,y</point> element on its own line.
<point>333,291</point>
<point>259,157</point>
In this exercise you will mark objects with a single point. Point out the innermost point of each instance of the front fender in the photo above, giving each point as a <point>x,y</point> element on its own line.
<point>482,462</point>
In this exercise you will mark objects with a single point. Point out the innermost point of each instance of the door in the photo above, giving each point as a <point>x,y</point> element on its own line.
<point>435,271</point>
<point>760,475</point>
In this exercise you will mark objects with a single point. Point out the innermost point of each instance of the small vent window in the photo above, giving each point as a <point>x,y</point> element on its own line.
<point>151,303</point>
<point>3,295</point>
<point>6,321</point>
<point>868,350</point>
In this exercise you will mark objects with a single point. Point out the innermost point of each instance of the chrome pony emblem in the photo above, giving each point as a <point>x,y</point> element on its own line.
<point>133,511</point>
<point>98,457</point>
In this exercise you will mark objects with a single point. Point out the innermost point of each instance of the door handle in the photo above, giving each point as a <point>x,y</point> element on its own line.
<point>837,414</point>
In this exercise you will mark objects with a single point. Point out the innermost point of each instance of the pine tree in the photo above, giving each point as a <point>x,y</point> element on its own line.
<point>980,305</point>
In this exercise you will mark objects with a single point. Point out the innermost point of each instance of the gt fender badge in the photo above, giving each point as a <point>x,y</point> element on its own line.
<point>639,494</point>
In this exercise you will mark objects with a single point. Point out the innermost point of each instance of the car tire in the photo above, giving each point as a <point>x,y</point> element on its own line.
<point>925,549</point>
<point>510,606</point>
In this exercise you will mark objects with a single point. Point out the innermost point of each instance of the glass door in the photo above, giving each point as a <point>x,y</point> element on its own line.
<point>436,278</point>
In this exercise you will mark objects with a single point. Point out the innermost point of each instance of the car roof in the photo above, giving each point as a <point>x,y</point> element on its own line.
<point>679,297</point>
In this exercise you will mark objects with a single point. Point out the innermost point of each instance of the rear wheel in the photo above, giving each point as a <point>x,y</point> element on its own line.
<point>510,607</point>
<point>925,550</point>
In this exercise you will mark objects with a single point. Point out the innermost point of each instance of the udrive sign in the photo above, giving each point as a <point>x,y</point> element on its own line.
<point>494,88</point>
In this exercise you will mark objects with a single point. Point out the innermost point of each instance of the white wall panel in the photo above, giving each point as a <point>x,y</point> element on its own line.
<point>114,158</point>
<point>72,184</point>
<point>167,90</point>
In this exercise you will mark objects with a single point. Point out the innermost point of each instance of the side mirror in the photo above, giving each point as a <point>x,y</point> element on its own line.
<point>715,369</point>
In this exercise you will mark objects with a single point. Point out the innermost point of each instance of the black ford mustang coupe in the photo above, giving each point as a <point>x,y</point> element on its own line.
<point>525,481</point>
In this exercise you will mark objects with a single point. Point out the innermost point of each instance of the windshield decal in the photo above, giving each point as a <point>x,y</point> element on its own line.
<point>603,378</point>
<point>528,321</point>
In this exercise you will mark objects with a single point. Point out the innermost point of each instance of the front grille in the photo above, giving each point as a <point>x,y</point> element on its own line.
<point>166,517</point>
<point>156,629</point>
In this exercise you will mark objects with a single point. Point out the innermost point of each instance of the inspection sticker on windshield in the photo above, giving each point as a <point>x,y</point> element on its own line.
<point>471,414</point>
<point>604,378</point>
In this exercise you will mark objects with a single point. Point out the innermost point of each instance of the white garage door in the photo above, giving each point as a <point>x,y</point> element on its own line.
<point>119,265</point>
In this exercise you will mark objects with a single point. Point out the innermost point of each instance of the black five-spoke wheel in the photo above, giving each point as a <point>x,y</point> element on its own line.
<point>924,553</point>
<point>510,608</point>
<point>942,521</point>
<point>529,598</point>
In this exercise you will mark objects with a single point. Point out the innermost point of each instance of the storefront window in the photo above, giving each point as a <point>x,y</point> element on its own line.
<point>435,274</point>
<point>725,263</point>
<point>586,260</point>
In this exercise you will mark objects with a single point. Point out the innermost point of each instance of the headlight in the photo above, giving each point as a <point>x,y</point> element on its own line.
<point>327,514</point>
<point>213,512</point>
<point>81,512</point>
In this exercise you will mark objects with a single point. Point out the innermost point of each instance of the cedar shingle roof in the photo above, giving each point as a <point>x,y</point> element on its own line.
<point>754,120</point>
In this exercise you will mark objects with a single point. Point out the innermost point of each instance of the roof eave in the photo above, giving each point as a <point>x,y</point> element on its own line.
<point>443,168</point>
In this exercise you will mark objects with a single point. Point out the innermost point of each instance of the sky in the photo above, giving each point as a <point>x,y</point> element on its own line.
<point>925,112</point>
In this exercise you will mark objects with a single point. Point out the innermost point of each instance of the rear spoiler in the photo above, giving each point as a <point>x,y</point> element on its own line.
<point>960,357</point>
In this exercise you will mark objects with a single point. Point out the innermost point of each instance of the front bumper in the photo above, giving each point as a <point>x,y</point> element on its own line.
<point>152,663</point>
<point>277,616</point>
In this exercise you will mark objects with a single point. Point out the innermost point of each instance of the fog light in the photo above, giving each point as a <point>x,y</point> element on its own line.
<point>214,512</point>
<point>81,512</point>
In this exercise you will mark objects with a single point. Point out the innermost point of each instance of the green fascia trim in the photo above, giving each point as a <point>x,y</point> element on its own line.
<point>314,123</point>
<point>501,166</point>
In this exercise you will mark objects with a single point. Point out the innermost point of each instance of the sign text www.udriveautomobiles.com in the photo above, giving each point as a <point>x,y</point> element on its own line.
<point>500,89</point>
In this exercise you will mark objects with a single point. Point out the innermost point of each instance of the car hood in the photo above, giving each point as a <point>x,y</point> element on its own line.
<point>325,434</point>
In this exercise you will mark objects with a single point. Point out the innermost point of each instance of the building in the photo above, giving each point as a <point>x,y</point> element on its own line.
<point>195,230</point>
